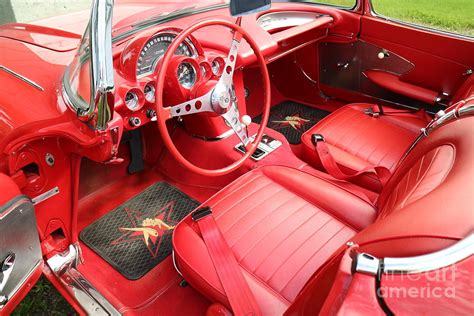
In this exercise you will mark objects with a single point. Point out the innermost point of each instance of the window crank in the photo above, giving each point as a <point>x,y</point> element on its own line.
<point>6,269</point>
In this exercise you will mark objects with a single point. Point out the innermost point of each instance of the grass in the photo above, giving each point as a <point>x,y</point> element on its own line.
<point>43,299</point>
<point>447,15</point>
<point>450,15</point>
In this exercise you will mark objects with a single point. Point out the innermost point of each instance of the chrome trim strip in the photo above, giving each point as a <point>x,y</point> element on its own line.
<point>44,196</point>
<point>367,264</point>
<point>22,78</point>
<point>64,267</point>
<point>102,68</point>
<point>433,261</point>
<point>443,119</point>
<point>13,205</point>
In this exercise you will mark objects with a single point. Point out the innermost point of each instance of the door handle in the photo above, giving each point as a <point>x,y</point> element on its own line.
<point>6,269</point>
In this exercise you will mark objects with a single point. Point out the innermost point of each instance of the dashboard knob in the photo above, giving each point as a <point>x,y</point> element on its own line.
<point>150,113</point>
<point>134,121</point>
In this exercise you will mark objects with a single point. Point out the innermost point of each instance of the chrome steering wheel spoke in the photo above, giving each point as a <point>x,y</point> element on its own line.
<point>229,68</point>
<point>197,105</point>
<point>232,117</point>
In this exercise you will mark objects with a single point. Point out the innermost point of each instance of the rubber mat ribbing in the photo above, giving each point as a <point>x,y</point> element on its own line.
<point>136,236</point>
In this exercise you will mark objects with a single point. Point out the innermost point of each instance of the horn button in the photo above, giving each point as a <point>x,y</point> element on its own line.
<point>221,99</point>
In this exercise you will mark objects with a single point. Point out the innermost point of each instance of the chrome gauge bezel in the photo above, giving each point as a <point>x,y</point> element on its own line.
<point>151,95</point>
<point>194,73</point>
<point>187,42</point>
<point>136,102</point>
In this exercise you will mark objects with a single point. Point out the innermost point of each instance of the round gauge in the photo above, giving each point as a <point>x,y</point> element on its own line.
<point>206,71</point>
<point>131,101</point>
<point>216,67</point>
<point>149,91</point>
<point>154,50</point>
<point>186,75</point>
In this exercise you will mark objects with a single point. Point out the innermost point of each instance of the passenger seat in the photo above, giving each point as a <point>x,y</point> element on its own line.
<point>358,137</point>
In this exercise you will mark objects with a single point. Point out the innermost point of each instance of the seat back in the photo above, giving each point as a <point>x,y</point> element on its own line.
<point>428,204</point>
<point>465,90</point>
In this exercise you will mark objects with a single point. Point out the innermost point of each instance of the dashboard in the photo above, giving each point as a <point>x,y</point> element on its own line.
<point>193,68</point>
<point>138,63</point>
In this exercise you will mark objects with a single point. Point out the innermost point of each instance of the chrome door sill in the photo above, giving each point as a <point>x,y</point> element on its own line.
<point>64,266</point>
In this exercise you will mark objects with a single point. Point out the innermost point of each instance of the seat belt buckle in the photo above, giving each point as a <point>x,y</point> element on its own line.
<point>315,138</point>
<point>201,213</point>
<point>370,111</point>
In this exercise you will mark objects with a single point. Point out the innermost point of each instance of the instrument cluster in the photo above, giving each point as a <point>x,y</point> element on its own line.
<point>138,64</point>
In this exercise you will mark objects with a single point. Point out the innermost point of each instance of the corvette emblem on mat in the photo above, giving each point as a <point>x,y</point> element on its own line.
<point>147,228</point>
<point>295,121</point>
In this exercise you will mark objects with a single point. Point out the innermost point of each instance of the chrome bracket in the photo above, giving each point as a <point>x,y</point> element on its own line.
<point>64,266</point>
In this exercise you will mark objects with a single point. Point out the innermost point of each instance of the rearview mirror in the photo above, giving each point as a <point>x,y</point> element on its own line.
<point>243,7</point>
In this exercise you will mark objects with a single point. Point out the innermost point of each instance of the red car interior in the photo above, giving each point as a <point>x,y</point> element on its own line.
<point>392,103</point>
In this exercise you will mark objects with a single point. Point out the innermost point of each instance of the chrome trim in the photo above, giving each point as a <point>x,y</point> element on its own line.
<point>367,264</point>
<point>64,266</point>
<point>102,68</point>
<point>170,32</point>
<point>44,196</point>
<point>285,19</point>
<point>18,236</point>
<point>433,261</point>
<point>442,119</point>
<point>21,77</point>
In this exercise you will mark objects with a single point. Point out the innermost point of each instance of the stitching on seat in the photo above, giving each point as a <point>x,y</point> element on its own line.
<point>309,259</point>
<point>287,237</point>
<point>223,212</point>
<point>276,246</point>
<point>232,192</point>
<point>291,253</point>
<point>254,207</point>
<point>269,288</point>
<point>265,217</point>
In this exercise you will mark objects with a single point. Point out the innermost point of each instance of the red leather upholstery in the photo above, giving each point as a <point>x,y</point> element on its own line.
<point>357,140</point>
<point>287,227</point>
<point>282,225</point>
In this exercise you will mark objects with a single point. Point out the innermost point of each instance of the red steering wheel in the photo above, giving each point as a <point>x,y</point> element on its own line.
<point>220,100</point>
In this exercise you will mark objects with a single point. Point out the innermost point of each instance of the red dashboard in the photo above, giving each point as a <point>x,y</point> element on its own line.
<point>136,66</point>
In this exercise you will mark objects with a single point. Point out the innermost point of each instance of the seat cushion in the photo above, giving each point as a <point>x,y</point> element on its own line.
<point>357,140</point>
<point>282,224</point>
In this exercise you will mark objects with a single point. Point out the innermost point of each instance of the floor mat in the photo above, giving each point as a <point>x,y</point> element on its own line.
<point>136,236</point>
<point>292,119</point>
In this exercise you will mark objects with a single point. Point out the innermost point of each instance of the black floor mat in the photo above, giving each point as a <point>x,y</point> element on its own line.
<point>136,236</point>
<point>292,119</point>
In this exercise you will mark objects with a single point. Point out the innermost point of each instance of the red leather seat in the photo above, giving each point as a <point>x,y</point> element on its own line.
<point>286,228</point>
<point>357,140</point>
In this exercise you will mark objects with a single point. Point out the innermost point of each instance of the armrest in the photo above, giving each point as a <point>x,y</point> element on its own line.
<point>393,83</point>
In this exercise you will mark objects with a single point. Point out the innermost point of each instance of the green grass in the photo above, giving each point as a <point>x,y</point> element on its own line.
<point>447,15</point>
<point>43,299</point>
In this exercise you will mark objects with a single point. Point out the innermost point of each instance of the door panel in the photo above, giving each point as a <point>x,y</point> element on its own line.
<point>21,260</point>
<point>440,60</point>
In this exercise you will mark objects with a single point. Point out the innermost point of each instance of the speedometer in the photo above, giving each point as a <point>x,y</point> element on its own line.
<point>154,50</point>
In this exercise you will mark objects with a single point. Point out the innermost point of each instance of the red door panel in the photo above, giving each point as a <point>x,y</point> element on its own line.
<point>440,60</point>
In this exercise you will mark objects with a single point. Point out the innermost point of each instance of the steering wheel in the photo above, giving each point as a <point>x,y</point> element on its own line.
<point>220,100</point>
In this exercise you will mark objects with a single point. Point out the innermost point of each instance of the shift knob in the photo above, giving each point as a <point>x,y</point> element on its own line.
<point>246,120</point>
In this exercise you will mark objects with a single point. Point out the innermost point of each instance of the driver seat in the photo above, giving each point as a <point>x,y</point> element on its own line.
<point>287,229</point>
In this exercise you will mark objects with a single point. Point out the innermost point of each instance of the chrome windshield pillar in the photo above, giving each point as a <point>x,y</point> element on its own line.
<point>102,74</point>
